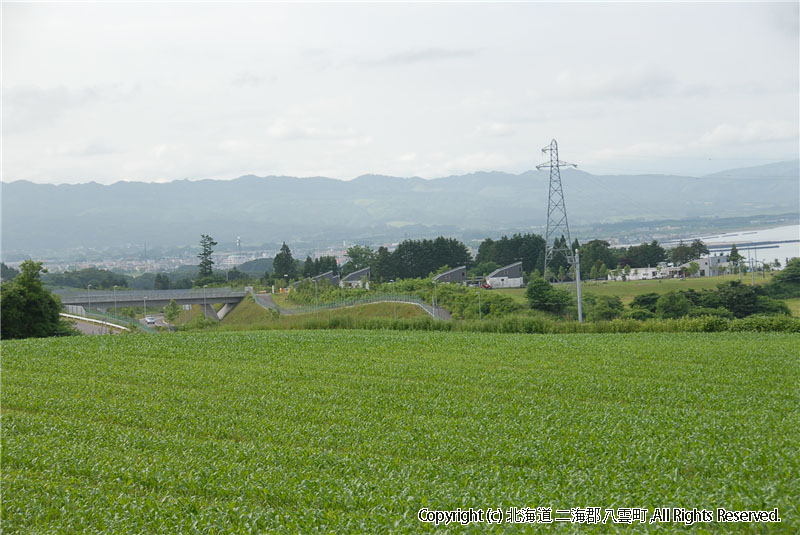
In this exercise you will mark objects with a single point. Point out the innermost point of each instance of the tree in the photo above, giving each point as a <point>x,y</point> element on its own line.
<point>605,308</point>
<point>28,310</point>
<point>680,254</point>
<point>646,254</point>
<point>172,311</point>
<point>309,269</point>
<point>542,296</point>
<point>382,269</point>
<point>693,269</point>
<point>234,274</point>
<point>646,301</point>
<point>359,257</point>
<point>734,257</point>
<point>698,249</point>
<point>284,263</point>
<point>740,299</point>
<point>207,244</point>
<point>161,282</point>
<point>8,274</point>
<point>672,305</point>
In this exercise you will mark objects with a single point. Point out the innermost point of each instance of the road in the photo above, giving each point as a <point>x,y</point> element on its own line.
<point>93,328</point>
<point>159,321</point>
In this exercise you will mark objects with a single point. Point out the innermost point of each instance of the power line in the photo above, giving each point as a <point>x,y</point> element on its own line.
<point>556,209</point>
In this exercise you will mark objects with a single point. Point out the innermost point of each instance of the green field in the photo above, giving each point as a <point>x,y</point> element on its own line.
<point>794,305</point>
<point>355,431</point>
<point>630,289</point>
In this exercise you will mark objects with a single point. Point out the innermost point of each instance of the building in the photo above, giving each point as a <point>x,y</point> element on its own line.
<point>457,275</point>
<point>710,266</point>
<point>509,276</point>
<point>233,260</point>
<point>356,279</point>
<point>661,271</point>
<point>329,276</point>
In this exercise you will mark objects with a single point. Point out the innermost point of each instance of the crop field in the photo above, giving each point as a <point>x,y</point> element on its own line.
<point>356,431</point>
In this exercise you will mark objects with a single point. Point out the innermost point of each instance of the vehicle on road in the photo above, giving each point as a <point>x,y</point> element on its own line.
<point>150,320</point>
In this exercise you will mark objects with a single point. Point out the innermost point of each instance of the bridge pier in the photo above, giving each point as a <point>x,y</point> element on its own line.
<point>225,309</point>
<point>209,312</point>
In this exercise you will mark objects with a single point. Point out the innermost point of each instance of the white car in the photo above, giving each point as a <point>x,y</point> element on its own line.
<point>150,320</point>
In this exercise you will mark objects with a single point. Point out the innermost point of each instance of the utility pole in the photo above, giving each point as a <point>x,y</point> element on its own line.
<point>557,224</point>
<point>578,280</point>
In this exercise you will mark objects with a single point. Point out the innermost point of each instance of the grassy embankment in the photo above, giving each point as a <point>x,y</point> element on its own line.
<point>249,314</point>
<point>355,431</point>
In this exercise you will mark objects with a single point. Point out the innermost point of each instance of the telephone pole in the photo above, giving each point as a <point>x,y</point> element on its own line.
<point>557,225</point>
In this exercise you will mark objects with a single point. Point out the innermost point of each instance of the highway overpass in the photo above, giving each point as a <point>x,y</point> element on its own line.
<point>109,300</point>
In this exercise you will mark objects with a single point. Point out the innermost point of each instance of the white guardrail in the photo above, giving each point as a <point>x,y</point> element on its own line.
<point>90,320</point>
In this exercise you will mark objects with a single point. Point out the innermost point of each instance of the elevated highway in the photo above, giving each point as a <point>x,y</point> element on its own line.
<point>109,300</point>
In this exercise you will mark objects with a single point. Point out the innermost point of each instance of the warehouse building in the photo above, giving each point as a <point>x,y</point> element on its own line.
<point>457,275</point>
<point>509,276</point>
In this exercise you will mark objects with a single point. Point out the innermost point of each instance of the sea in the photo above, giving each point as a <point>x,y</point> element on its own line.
<point>781,243</point>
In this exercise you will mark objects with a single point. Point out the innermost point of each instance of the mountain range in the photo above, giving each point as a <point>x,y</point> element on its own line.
<point>371,207</point>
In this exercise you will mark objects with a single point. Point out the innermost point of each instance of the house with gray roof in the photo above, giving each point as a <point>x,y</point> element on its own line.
<point>330,276</point>
<point>457,275</point>
<point>356,279</point>
<point>509,276</point>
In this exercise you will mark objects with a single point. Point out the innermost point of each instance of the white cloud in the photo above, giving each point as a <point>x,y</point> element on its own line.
<point>406,158</point>
<point>27,108</point>
<point>250,79</point>
<point>626,84</point>
<point>722,138</point>
<point>406,57</point>
<point>758,131</point>
<point>497,129</point>
<point>205,90</point>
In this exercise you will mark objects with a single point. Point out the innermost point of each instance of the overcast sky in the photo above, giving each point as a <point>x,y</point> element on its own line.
<point>157,92</point>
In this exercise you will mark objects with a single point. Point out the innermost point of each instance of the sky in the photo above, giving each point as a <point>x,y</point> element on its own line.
<point>157,92</point>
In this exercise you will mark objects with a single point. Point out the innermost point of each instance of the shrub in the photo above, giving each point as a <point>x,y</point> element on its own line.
<point>721,312</point>
<point>779,323</point>
<point>606,308</point>
<point>639,314</point>
<point>672,305</point>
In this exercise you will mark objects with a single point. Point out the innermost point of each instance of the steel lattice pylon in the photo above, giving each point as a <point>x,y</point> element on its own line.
<point>557,225</point>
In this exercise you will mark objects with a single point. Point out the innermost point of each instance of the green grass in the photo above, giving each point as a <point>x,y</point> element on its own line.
<point>354,431</point>
<point>188,315</point>
<point>630,289</point>
<point>794,306</point>
<point>248,313</point>
<point>282,300</point>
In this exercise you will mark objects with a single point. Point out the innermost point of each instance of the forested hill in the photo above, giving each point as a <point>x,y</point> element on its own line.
<point>263,209</point>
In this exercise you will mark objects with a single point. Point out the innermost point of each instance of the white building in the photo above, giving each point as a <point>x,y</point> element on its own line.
<point>509,276</point>
<point>233,260</point>
<point>710,266</point>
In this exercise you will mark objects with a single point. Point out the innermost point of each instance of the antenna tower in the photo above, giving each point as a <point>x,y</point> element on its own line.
<point>557,225</point>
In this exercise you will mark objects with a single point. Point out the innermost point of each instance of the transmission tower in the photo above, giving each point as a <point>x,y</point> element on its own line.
<point>557,225</point>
